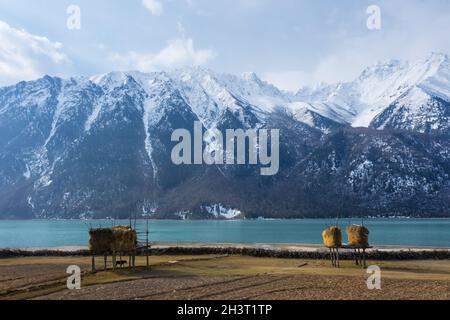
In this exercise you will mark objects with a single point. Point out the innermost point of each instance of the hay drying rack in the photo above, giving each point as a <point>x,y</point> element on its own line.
<point>108,246</point>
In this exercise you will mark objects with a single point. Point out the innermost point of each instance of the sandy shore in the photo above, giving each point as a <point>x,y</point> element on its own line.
<point>278,246</point>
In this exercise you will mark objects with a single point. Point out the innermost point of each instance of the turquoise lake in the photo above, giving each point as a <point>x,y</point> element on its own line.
<point>54,233</point>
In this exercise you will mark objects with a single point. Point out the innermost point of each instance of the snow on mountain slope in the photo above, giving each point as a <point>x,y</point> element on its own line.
<point>398,82</point>
<point>205,94</point>
<point>160,92</point>
<point>255,91</point>
<point>110,81</point>
<point>337,101</point>
<point>413,96</point>
<point>318,115</point>
<point>210,94</point>
<point>413,85</point>
<point>116,88</point>
<point>102,146</point>
<point>438,83</point>
<point>422,102</point>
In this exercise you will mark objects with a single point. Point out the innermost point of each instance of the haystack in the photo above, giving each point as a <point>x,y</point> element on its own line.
<point>100,240</point>
<point>332,237</point>
<point>124,239</point>
<point>358,236</point>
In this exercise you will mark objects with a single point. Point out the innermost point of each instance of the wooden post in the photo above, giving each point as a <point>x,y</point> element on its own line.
<point>105,260</point>
<point>146,250</point>
<point>337,257</point>
<point>364,258</point>
<point>361,261</point>
<point>146,245</point>
<point>333,255</point>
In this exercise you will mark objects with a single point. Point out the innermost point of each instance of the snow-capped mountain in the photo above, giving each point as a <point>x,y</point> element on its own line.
<point>101,146</point>
<point>395,95</point>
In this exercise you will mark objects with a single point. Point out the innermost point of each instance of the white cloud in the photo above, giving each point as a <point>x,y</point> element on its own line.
<point>177,53</point>
<point>24,56</point>
<point>154,6</point>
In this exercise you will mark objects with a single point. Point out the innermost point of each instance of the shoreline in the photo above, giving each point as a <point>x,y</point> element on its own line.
<point>368,218</point>
<point>289,251</point>
<point>302,247</point>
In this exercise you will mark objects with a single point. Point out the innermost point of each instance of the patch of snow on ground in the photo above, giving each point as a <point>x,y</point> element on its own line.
<point>183,215</point>
<point>219,211</point>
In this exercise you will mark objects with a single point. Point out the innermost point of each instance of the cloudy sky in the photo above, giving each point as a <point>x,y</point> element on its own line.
<point>288,42</point>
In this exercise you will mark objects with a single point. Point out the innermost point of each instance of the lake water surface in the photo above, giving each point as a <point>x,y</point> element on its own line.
<point>54,233</point>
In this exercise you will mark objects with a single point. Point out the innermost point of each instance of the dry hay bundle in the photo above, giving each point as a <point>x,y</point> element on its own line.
<point>100,240</point>
<point>332,237</point>
<point>358,236</point>
<point>125,239</point>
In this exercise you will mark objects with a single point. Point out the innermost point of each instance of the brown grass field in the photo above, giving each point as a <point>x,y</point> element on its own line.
<point>223,277</point>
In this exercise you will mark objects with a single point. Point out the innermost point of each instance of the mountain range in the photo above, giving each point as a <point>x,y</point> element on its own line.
<point>100,147</point>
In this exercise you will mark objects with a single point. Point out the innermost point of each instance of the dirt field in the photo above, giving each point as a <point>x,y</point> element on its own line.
<point>223,277</point>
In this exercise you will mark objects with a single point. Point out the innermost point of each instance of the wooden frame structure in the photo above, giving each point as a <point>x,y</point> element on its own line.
<point>359,255</point>
<point>118,240</point>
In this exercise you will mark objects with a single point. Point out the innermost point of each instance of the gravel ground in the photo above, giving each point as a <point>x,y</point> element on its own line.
<point>224,277</point>
<point>259,288</point>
